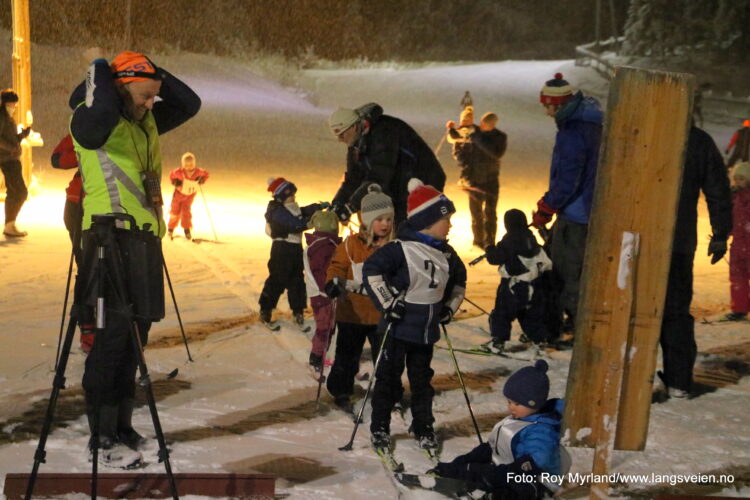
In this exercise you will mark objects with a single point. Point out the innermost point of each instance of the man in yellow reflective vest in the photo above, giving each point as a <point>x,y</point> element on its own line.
<point>115,127</point>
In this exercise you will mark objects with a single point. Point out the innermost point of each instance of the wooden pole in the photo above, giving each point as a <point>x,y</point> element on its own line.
<point>637,191</point>
<point>22,75</point>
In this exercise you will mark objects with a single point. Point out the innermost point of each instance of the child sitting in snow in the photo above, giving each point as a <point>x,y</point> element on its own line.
<point>186,180</point>
<point>739,252</point>
<point>320,247</point>
<point>525,443</point>
<point>285,221</point>
<point>520,294</point>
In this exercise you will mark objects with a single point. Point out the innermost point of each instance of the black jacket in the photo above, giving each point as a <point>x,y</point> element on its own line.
<point>389,152</point>
<point>704,171</point>
<point>488,148</point>
<point>10,139</point>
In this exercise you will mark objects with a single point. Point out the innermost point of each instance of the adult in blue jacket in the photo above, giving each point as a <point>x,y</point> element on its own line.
<point>571,185</point>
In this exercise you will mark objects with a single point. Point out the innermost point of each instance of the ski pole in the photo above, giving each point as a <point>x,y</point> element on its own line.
<point>321,379</point>
<point>461,381</point>
<point>484,311</point>
<point>203,196</point>
<point>177,309</point>
<point>65,307</point>
<point>348,446</point>
<point>478,260</point>
<point>440,144</point>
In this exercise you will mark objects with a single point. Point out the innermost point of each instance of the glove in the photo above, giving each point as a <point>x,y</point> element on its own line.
<point>343,212</point>
<point>396,311</point>
<point>446,469</point>
<point>717,247</point>
<point>446,315</point>
<point>324,205</point>
<point>177,182</point>
<point>543,214</point>
<point>334,288</point>
<point>450,124</point>
<point>201,180</point>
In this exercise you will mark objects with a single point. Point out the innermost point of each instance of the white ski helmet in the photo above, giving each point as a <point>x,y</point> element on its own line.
<point>341,119</point>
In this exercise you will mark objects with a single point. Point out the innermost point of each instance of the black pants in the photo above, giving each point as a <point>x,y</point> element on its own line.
<point>286,272</point>
<point>350,340</point>
<point>483,208</point>
<point>677,329</point>
<point>515,304</point>
<point>109,373</point>
<point>567,250</point>
<point>16,189</point>
<point>73,217</point>
<point>416,358</point>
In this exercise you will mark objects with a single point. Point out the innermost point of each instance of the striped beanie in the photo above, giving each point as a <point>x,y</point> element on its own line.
<point>556,91</point>
<point>426,205</point>
<point>374,204</point>
<point>280,188</point>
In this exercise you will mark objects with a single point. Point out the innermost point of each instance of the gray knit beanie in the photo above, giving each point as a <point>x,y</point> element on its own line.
<point>375,204</point>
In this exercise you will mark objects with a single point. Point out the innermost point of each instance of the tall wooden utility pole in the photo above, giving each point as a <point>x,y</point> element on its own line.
<point>22,75</point>
<point>628,253</point>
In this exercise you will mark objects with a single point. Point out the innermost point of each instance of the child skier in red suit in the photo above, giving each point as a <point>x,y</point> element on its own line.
<point>186,180</point>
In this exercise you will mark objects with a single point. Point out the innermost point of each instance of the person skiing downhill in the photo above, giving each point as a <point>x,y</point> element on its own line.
<point>187,180</point>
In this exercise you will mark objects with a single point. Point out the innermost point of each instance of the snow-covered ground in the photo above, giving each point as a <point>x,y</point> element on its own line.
<point>247,403</point>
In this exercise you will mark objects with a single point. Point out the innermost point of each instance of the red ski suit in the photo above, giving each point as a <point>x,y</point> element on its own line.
<point>739,253</point>
<point>184,195</point>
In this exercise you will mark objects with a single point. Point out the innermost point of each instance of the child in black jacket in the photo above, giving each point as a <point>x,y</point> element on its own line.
<point>520,294</point>
<point>285,222</point>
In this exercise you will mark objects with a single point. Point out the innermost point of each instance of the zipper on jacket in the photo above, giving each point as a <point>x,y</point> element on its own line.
<point>427,327</point>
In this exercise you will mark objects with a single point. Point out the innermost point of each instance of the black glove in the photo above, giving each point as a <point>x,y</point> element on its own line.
<point>446,315</point>
<point>334,289</point>
<point>396,311</point>
<point>201,180</point>
<point>446,469</point>
<point>717,247</point>
<point>177,182</point>
<point>342,211</point>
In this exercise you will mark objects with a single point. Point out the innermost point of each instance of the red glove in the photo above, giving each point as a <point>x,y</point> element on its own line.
<point>543,214</point>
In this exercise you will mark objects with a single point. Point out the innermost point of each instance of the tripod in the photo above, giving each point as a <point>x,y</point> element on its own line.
<point>107,274</point>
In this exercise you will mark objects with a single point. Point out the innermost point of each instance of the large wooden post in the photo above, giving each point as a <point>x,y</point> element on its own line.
<point>622,298</point>
<point>22,75</point>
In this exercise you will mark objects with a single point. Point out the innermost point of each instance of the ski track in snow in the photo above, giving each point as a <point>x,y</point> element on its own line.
<point>246,403</point>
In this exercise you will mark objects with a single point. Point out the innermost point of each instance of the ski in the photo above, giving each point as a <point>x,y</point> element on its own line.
<point>723,319</point>
<point>271,325</point>
<point>478,351</point>
<point>389,461</point>
<point>451,488</point>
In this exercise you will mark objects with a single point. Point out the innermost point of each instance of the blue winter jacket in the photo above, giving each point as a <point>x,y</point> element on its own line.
<point>390,273</point>
<point>540,442</point>
<point>575,158</point>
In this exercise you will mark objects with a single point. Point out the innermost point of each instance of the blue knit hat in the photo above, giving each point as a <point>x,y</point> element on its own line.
<point>529,386</point>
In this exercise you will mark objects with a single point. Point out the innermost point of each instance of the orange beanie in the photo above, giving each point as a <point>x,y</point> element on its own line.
<point>133,67</point>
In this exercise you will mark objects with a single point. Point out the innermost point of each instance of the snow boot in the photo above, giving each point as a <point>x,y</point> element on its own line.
<point>316,367</point>
<point>188,236</point>
<point>265,318</point>
<point>12,231</point>
<point>495,346</point>
<point>734,316</point>
<point>125,432</point>
<point>426,438</point>
<point>111,453</point>
<point>344,404</point>
<point>171,234</point>
<point>381,439</point>
<point>299,320</point>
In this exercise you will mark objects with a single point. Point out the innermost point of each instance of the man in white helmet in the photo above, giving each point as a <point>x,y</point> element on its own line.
<point>381,149</point>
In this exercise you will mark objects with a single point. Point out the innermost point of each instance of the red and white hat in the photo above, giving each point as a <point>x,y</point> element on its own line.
<point>556,91</point>
<point>426,205</point>
<point>280,188</point>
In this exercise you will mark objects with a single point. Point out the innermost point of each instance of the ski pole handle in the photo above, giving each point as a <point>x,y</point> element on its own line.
<point>478,260</point>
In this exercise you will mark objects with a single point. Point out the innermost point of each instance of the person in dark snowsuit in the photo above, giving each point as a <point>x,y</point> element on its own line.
<point>704,171</point>
<point>520,294</point>
<point>383,150</point>
<point>571,188</point>
<point>10,162</point>
<point>483,179</point>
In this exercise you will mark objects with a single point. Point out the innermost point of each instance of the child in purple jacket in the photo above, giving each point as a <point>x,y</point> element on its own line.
<point>320,247</point>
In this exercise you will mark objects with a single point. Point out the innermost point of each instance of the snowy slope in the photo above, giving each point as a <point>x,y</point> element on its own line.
<point>246,403</point>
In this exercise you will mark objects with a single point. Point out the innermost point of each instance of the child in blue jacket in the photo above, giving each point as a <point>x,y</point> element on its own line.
<point>418,281</point>
<point>525,443</point>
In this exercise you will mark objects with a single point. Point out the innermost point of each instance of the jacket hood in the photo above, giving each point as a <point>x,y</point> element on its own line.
<point>580,108</point>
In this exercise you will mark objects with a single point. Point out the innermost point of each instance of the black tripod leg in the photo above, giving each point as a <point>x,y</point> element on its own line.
<point>145,381</point>
<point>57,385</point>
